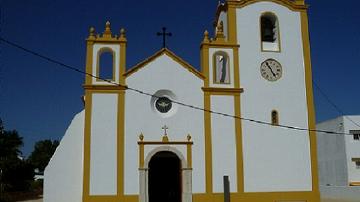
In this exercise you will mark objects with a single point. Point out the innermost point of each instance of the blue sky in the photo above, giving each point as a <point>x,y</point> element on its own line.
<point>39,98</point>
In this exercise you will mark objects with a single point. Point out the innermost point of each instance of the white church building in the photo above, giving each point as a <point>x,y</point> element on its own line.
<point>169,145</point>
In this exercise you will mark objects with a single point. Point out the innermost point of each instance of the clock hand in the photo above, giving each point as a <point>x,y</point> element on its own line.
<point>270,69</point>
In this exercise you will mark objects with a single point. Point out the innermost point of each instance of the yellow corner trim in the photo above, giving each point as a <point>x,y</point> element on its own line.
<point>104,87</point>
<point>224,91</point>
<point>160,143</point>
<point>354,183</point>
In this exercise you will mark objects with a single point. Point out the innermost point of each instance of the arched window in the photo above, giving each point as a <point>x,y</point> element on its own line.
<point>270,36</point>
<point>274,117</point>
<point>106,64</point>
<point>221,68</point>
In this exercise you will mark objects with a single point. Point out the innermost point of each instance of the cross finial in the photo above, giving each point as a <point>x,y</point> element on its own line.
<point>165,128</point>
<point>164,34</point>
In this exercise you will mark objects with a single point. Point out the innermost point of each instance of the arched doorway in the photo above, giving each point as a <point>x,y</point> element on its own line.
<point>165,177</point>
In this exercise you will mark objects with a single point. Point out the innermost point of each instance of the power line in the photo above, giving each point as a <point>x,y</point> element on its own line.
<point>174,101</point>
<point>334,105</point>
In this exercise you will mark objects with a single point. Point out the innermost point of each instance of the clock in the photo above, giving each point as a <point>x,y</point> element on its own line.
<point>271,70</point>
<point>163,104</point>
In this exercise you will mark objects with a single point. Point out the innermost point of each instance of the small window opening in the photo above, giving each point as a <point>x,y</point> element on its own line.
<point>357,163</point>
<point>269,32</point>
<point>222,74</point>
<point>356,134</point>
<point>274,117</point>
<point>106,65</point>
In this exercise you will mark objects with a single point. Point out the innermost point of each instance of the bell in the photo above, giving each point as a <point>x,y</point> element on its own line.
<point>268,35</point>
<point>267,30</point>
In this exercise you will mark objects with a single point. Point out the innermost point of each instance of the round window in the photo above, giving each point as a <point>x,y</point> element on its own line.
<point>163,104</point>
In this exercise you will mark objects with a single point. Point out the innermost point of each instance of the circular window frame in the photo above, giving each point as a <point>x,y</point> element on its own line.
<point>164,94</point>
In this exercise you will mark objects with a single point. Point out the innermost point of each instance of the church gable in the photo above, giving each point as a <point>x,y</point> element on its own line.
<point>164,52</point>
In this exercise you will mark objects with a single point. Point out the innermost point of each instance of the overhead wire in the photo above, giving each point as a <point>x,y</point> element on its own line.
<point>333,104</point>
<point>174,101</point>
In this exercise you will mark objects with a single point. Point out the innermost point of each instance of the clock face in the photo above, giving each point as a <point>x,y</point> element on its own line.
<point>271,70</point>
<point>163,104</point>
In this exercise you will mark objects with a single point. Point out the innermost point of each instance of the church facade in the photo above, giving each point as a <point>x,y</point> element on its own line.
<point>165,131</point>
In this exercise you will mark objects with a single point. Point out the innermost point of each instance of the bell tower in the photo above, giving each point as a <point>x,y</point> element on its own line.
<point>104,116</point>
<point>259,63</point>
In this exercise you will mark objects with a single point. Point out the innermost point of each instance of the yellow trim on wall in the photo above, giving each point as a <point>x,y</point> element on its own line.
<point>354,184</point>
<point>125,198</point>
<point>189,155</point>
<point>222,91</point>
<point>102,88</point>
<point>239,148</point>
<point>310,104</point>
<point>236,69</point>
<point>208,145</point>
<point>232,26</point>
<point>258,197</point>
<point>204,62</point>
<point>89,61</point>
<point>142,144</point>
<point>122,68</point>
<point>87,131</point>
<point>294,6</point>
<point>120,143</point>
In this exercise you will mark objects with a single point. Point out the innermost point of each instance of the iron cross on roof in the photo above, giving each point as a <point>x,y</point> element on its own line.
<point>164,34</point>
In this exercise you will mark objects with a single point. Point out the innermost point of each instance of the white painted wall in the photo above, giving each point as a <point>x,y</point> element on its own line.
<point>335,152</point>
<point>63,177</point>
<point>352,148</point>
<point>103,147</point>
<point>116,49</point>
<point>163,73</point>
<point>275,159</point>
<point>332,154</point>
<point>223,143</point>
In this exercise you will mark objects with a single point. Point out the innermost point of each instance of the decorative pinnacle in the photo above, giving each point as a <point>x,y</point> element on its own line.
<point>220,31</point>
<point>107,32</point>
<point>122,33</point>
<point>220,27</point>
<point>188,137</point>
<point>92,32</point>
<point>206,37</point>
<point>141,137</point>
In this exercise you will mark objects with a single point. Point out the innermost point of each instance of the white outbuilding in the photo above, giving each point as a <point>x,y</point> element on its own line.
<point>339,155</point>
